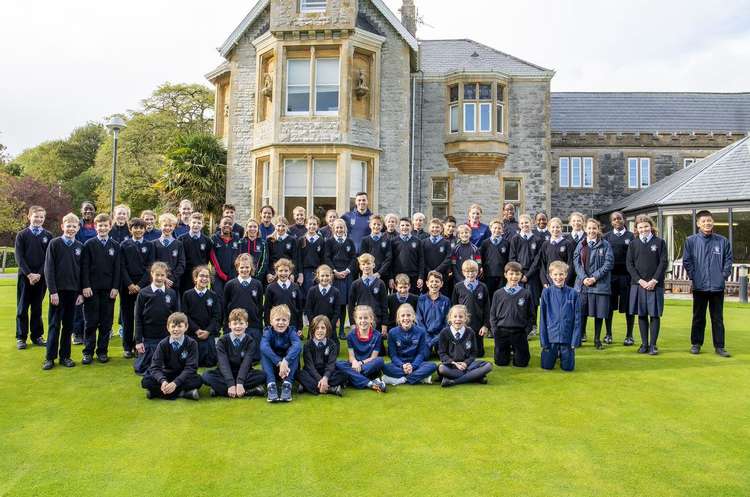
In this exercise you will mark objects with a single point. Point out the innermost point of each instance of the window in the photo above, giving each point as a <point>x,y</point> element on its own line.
<point>470,117</point>
<point>357,180</point>
<point>312,5</point>
<point>295,185</point>
<point>453,95</point>
<point>324,186</point>
<point>485,117</point>
<point>689,162</point>
<point>298,87</point>
<point>499,118</point>
<point>512,193</point>
<point>576,172</point>
<point>327,86</point>
<point>639,172</point>
<point>440,197</point>
<point>741,236</point>
<point>266,191</point>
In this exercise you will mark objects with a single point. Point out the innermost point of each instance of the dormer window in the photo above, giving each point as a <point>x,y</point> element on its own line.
<point>476,108</point>
<point>306,6</point>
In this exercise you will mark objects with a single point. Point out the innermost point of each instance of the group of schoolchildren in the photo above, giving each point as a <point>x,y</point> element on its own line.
<point>243,295</point>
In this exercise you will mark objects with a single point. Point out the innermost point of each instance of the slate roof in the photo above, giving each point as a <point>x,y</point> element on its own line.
<point>650,112</point>
<point>723,176</point>
<point>438,57</point>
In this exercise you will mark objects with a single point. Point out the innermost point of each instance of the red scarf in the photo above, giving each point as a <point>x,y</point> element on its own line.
<point>364,340</point>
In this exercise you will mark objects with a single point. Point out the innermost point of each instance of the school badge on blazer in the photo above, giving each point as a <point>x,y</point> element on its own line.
<point>330,300</point>
<point>209,302</point>
<point>327,351</point>
<point>183,355</point>
<point>653,248</point>
<point>78,251</point>
<point>289,246</point>
<point>383,244</point>
<point>521,301</point>
<point>502,250</point>
<point>203,246</point>
<point>562,249</point>
<point>479,296</point>
<point>167,299</point>
<point>294,294</point>
<point>627,242</point>
<point>174,253</point>
<point>255,293</point>
<point>533,245</point>
<point>413,245</point>
<point>111,252</point>
<point>242,354</point>
<point>375,290</point>
<point>144,250</point>
<point>467,346</point>
<point>44,240</point>
<point>442,249</point>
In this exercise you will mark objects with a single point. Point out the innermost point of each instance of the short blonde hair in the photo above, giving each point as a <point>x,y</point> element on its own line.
<point>470,264</point>
<point>280,311</point>
<point>524,216</point>
<point>458,308</point>
<point>70,218</point>
<point>364,258</point>
<point>405,308</point>
<point>364,309</point>
<point>177,318</point>
<point>283,262</point>
<point>245,258</point>
<point>463,227</point>
<point>555,220</point>
<point>558,266</point>
<point>168,217</point>
<point>238,315</point>
<point>124,207</point>
<point>402,279</point>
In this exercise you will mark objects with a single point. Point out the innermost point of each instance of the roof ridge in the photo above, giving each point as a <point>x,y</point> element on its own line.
<point>648,93</point>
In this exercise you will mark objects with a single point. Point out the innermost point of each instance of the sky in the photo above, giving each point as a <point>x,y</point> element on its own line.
<point>64,63</point>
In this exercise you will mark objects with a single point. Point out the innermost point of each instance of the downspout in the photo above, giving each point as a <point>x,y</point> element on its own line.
<point>421,134</point>
<point>411,143</point>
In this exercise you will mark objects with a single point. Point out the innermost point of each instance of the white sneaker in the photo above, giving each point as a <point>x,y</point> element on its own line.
<point>428,380</point>
<point>392,381</point>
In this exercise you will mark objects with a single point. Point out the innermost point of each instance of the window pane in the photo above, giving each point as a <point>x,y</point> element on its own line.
<point>632,173</point>
<point>512,190</point>
<point>470,91</point>
<point>499,118</point>
<point>454,93</point>
<point>295,178</point>
<point>266,179</point>
<point>500,93</point>
<point>678,228</point>
<point>588,172</point>
<point>439,210</point>
<point>470,117</point>
<point>564,172</point>
<point>298,85</point>
<point>454,118</point>
<point>721,222</point>
<point>485,117</point>
<point>358,180</point>
<point>324,177</point>
<point>439,189</point>
<point>741,235</point>
<point>645,173</point>
<point>485,92</point>
<point>327,85</point>
<point>327,72</point>
<point>575,172</point>
<point>298,72</point>
<point>312,5</point>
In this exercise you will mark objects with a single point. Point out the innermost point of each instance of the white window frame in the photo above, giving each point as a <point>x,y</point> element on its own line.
<point>689,161</point>
<point>633,173</point>
<point>645,165</point>
<point>473,121</point>
<point>639,166</point>
<point>588,172</point>
<point>454,109</point>
<point>576,172</point>
<point>500,117</point>
<point>306,6</point>
<point>564,166</point>
<point>442,202</point>
<point>266,193</point>
<point>338,87</point>
<point>309,88</point>
<point>488,106</point>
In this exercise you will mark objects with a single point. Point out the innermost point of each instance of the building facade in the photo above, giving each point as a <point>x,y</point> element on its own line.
<point>321,99</point>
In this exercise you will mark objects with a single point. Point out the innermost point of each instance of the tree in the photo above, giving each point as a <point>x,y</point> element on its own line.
<point>190,107</point>
<point>195,169</point>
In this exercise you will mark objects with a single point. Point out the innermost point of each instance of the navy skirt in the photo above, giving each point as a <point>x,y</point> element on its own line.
<point>645,303</point>
<point>343,286</point>
<point>594,305</point>
<point>308,281</point>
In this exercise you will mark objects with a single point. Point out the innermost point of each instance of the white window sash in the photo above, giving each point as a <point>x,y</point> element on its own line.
<point>645,173</point>
<point>292,86</point>
<point>331,83</point>
<point>500,118</point>
<point>485,108</point>
<point>588,172</point>
<point>632,173</point>
<point>470,125</point>
<point>454,119</point>
<point>312,5</point>
<point>564,172</point>
<point>575,172</point>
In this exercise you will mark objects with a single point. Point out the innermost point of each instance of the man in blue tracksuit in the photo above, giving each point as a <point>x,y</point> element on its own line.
<point>358,220</point>
<point>708,262</point>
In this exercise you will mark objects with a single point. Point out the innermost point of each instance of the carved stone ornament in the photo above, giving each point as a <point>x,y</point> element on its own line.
<point>361,90</point>
<point>226,110</point>
<point>267,90</point>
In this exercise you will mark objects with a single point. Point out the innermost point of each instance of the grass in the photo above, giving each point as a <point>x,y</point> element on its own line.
<point>622,424</point>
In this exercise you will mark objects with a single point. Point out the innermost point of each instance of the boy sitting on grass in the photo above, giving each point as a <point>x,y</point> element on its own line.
<point>173,371</point>
<point>280,349</point>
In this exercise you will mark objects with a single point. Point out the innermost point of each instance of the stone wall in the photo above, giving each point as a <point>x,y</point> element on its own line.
<point>309,130</point>
<point>240,171</point>
<point>339,14</point>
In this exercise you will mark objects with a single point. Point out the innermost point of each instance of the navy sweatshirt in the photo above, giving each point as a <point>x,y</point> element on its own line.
<point>477,303</point>
<point>375,295</point>
<point>494,257</point>
<point>248,297</point>
<point>512,311</point>
<point>562,250</point>
<point>100,265</point>
<point>173,256</point>
<point>151,313</point>
<point>197,251</point>
<point>320,360</point>
<point>203,312</point>
<point>310,255</point>
<point>437,256</point>
<point>408,257</point>
<point>526,252</point>
<point>464,252</point>
<point>31,249</point>
<point>382,250</point>
<point>291,296</point>
<point>619,246</point>
<point>178,364</point>
<point>136,259</point>
<point>394,302</point>
<point>462,350</point>
<point>341,256</point>
<point>223,253</point>
<point>282,249</point>
<point>647,261</point>
<point>62,266</point>
<point>235,362</point>
<point>318,304</point>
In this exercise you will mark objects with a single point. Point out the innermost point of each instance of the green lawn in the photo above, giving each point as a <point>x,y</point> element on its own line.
<point>622,424</point>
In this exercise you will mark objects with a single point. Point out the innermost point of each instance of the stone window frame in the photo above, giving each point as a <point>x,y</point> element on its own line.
<point>689,161</point>
<point>639,172</point>
<point>582,175</point>
<point>518,203</point>
<point>312,54</point>
<point>312,6</point>
<point>441,202</point>
<point>493,103</point>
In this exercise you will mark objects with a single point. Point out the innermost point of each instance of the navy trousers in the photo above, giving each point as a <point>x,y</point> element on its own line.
<point>191,382</point>
<point>564,352</point>
<point>360,379</point>
<point>310,384</point>
<point>127,316</point>
<point>29,297</point>
<point>214,379</point>
<point>98,313</point>
<point>272,370</point>
<point>60,318</point>
<point>423,371</point>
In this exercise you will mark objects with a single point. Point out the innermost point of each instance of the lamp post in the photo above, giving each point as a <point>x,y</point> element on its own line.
<point>115,124</point>
<point>743,284</point>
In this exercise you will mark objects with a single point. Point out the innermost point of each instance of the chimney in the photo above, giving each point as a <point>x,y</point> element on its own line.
<point>409,16</point>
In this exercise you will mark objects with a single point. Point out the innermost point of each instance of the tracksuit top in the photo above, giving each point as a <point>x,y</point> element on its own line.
<point>278,346</point>
<point>559,317</point>
<point>708,261</point>
<point>407,346</point>
<point>256,248</point>
<point>432,314</point>
<point>223,253</point>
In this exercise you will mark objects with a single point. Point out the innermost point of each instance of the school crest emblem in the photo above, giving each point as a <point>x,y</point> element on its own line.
<point>562,249</point>
<point>533,245</point>
<point>348,248</point>
<point>44,239</point>
<point>383,244</point>
<point>327,351</point>
<point>294,294</point>
<point>255,293</point>
<point>653,248</point>
<point>375,290</point>
<point>716,250</point>
<point>352,222</point>
<point>144,250</point>
<point>242,354</point>
<point>174,253</point>
<point>167,299</point>
<point>414,245</point>
<point>467,345</point>
<point>183,355</point>
<point>126,238</point>
<point>318,249</point>
<point>111,252</point>
<point>398,343</point>
<point>627,242</point>
<point>203,246</point>
<point>502,250</point>
<point>546,238</point>
<point>442,250</point>
<point>601,251</point>
<point>289,246</point>
<point>209,302</point>
<point>330,300</point>
<point>521,301</point>
<point>78,251</point>
<point>479,296</point>
<point>234,245</point>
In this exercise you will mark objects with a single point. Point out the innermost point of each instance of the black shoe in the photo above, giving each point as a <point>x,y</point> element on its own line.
<point>20,344</point>
<point>77,340</point>
<point>68,363</point>
<point>483,380</point>
<point>87,359</point>
<point>286,392</point>
<point>628,341</point>
<point>342,336</point>
<point>191,394</point>
<point>695,349</point>
<point>723,353</point>
<point>652,350</point>
<point>212,392</point>
<point>608,339</point>
<point>447,382</point>
<point>300,388</point>
<point>39,342</point>
<point>598,345</point>
<point>337,391</point>
<point>643,349</point>
<point>584,338</point>
<point>258,391</point>
<point>48,365</point>
<point>128,354</point>
<point>149,395</point>
<point>273,393</point>
<point>102,358</point>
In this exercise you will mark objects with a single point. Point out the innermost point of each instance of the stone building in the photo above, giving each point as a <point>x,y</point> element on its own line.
<point>320,99</point>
